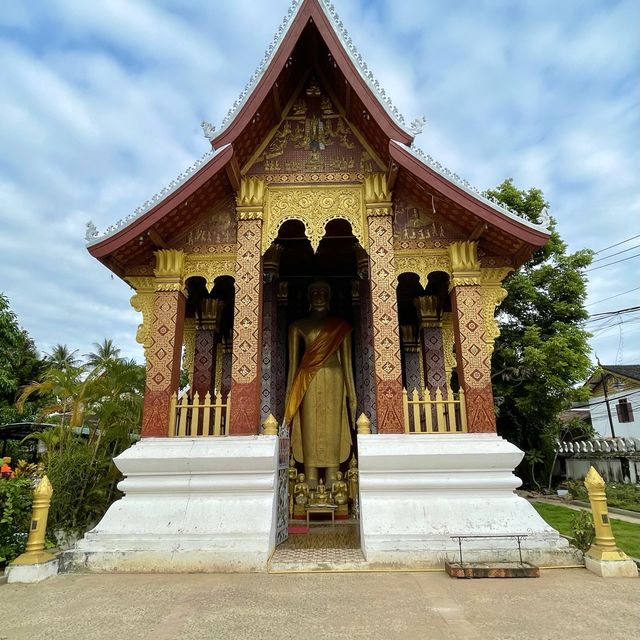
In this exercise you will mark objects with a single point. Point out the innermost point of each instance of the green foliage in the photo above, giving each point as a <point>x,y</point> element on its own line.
<point>98,409</point>
<point>621,496</point>
<point>15,515</point>
<point>627,534</point>
<point>582,530</point>
<point>19,364</point>
<point>543,351</point>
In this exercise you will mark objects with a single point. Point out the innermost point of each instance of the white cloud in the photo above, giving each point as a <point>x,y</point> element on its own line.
<point>101,107</point>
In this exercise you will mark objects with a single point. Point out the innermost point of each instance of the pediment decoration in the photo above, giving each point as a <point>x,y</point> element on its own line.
<point>314,206</point>
<point>314,143</point>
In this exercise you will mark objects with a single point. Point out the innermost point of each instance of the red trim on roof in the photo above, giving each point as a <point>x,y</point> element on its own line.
<point>311,10</point>
<point>140,225</point>
<point>458,195</point>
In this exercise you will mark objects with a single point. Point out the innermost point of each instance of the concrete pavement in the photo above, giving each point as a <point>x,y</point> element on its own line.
<point>566,603</point>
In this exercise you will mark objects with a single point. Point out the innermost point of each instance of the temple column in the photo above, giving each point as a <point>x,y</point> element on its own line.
<point>411,357</point>
<point>473,359</point>
<point>433,357</point>
<point>247,329</point>
<point>206,347</point>
<point>270,265</point>
<point>384,308</point>
<point>189,344</point>
<point>164,354</point>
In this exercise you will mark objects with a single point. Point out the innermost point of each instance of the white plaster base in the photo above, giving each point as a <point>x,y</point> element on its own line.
<point>612,568</point>
<point>31,573</point>
<point>190,505</point>
<point>416,491</point>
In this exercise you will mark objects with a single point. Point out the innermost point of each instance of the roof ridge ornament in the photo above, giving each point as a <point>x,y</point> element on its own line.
<point>208,130</point>
<point>417,126</point>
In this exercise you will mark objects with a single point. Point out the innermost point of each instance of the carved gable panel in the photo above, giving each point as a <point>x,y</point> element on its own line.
<point>314,143</point>
<point>417,226</point>
<point>214,232</point>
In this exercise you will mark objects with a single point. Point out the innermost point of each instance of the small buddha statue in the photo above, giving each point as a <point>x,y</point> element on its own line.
<point>321,496</point>
<point>301,491</point>
<point>352,479</point>
<point>300,497</point>
<point>339,490</point>
<point>293,475</point>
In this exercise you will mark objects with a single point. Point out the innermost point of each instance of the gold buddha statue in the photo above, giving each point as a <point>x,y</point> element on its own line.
<point>321,497</point>
<point>300,496</point>
<point>339,490</point>
<point>352,479</point>
<point>320,388</point>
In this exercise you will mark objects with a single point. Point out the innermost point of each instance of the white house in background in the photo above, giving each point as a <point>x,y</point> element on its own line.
<point>616,388</point>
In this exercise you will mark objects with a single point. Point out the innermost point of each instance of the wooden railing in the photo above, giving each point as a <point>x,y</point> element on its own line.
<point>191,417</point>
<point>444,413</point>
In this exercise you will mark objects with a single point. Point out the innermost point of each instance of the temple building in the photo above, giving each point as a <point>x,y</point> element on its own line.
<point>330,292</point>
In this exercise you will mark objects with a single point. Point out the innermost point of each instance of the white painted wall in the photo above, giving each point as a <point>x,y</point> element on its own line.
<point>600,420</point>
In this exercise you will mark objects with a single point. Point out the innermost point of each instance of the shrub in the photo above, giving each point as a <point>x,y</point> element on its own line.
<point>582,530</point>
<point>16,495</point>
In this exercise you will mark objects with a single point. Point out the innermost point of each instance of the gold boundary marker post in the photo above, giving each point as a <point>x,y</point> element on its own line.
<point>35,553</point>
<point>604,547</point>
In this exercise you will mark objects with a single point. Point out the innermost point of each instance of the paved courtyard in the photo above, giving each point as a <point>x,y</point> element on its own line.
<point>567,603</point>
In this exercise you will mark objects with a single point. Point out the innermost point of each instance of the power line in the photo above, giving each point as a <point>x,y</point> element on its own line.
<point>617,253</point>
<point>602,266</point>
<point>612,297</point>
<point>606,314</point>
<point>616,244</point>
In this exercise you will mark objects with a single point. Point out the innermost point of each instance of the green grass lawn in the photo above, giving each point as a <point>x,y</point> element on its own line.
<point>627,535</point>
<point>623,496</point>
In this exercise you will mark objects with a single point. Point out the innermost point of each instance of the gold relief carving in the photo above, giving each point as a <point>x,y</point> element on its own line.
<point>314,206</point>
<point>209,267</point>
<point>464,263</point>
<point>492,296</point>
<point>410,338</point>
<point>448,340</point>
<point>142,302</point>
<point>251,193</point>
<point>422,262</point>
<point>494,275</point>
<point>211,314</point>
<point>427,307</point>
<point>169,268</point>
<point>376,190</point>
<point>379,212</point>
<point>464,256</point>
<point>189,343</point>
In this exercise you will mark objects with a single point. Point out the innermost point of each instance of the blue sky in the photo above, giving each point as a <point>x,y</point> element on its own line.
<point>101,105</point>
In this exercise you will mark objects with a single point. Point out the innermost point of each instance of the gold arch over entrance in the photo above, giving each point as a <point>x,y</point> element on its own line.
<point>314,206</point>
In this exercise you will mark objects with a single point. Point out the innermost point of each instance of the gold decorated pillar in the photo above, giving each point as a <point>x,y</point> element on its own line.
<point>384,308</point>
<point>604,557</point>
<point>165,350</point>
<point>473,359</point>
<point>432,343</point>
<point>247,329</point>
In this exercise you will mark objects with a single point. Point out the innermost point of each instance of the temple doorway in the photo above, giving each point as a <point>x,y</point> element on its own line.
<point>323,508</point>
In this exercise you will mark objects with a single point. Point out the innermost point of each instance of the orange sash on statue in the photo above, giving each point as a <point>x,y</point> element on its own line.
<point>319,351</point>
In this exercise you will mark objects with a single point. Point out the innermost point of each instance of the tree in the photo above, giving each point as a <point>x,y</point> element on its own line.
<point>62,357</point>
<point>105,353</point>
<point>543,351</point>
<point>19,363</point>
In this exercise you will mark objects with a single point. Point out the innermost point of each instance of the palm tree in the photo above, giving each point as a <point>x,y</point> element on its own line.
<point>105,353</point>
<point>61,357</point>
